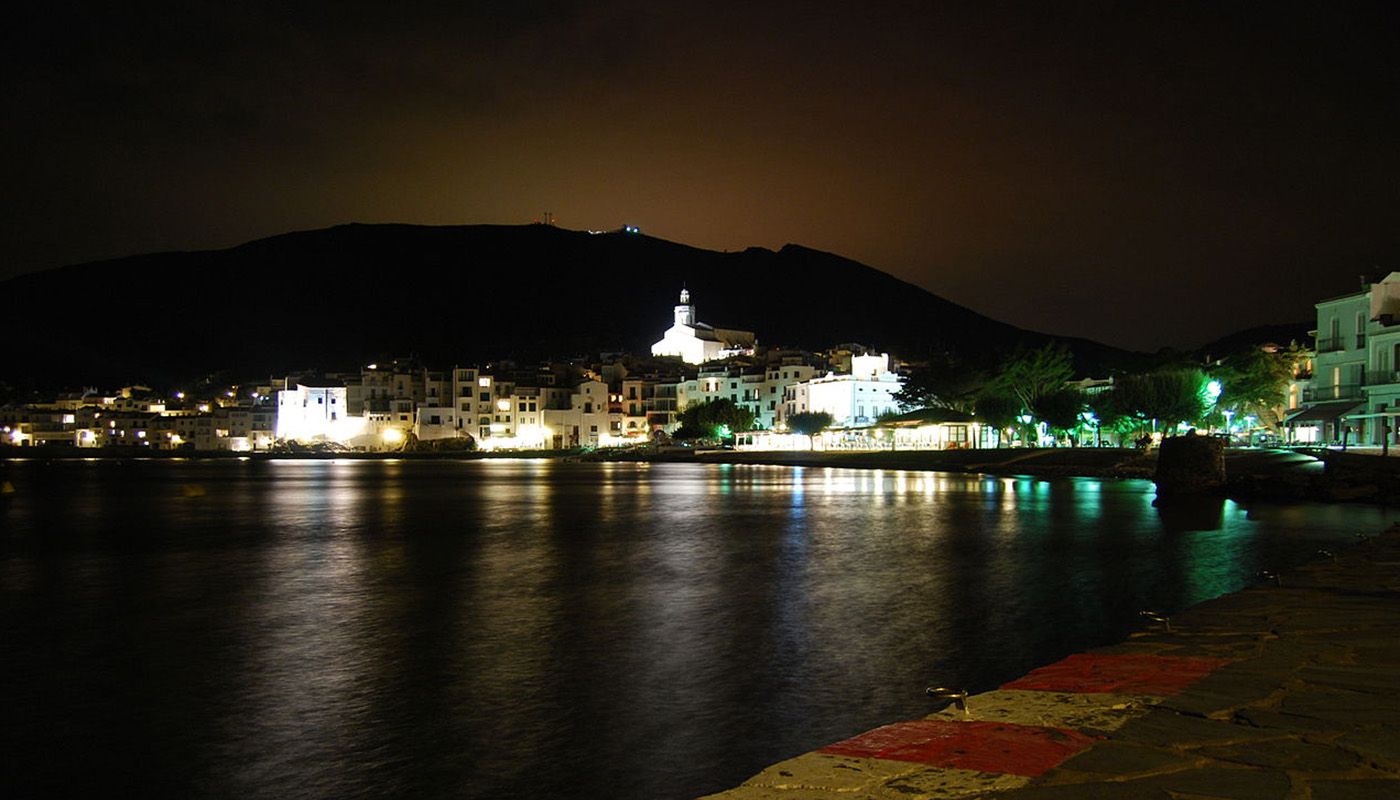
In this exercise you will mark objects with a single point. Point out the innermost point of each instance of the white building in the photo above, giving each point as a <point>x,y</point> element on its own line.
<point>760,390</point>
<point>1354,393</point>
<point>315,411</point>
<point>853,400</point>
<point>695,342</point>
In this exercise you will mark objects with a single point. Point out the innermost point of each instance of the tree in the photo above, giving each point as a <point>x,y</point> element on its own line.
<point>1109,414</point>
<point>944,381</point>
<point>715,419</point>
<point>997,409</point>
<point>810,423</point>
<point>1060,409</point>
<point>1029,375</point>
<point>1255,381</point>
<point>1170,396</point>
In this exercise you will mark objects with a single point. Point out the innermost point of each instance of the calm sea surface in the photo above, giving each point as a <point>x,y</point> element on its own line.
<point>314,629</point>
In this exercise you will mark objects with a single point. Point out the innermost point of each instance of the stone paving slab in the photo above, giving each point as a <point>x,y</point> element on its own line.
<point>823,776</point>
<point>974,745</point>
<point>1121,674</point>
<point>1096,714</point>
<point>1279,692</point>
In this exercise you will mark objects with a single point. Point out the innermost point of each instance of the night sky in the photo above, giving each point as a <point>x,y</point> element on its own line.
<point>1144,174</point>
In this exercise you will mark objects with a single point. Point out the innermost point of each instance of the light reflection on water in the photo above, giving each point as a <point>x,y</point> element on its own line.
<point>527,628</point>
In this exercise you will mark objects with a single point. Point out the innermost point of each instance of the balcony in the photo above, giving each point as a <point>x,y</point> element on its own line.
<point>1382,377</point>
<point>1331,344</point>
<point>1322,394</point>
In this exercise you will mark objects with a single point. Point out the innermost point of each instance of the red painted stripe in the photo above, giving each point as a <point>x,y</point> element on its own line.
<point>1158,675</point>
<point>981,746</point>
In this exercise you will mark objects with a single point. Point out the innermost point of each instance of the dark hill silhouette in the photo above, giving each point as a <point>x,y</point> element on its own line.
<point>339,297</point>
<point>1280,334</point>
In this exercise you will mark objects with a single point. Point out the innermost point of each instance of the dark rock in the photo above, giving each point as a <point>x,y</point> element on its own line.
<point>1370,789</point>
<point>1121,758</point>
<point>1286,754</point>
<point>1190,465</point>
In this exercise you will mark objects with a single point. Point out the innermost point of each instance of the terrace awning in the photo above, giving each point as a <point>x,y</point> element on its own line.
<point>1316,415</point>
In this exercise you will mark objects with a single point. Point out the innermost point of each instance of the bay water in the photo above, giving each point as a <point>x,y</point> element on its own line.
<point>531,628</point>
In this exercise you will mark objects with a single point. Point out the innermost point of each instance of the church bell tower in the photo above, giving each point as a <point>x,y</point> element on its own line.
<point>685,312</point>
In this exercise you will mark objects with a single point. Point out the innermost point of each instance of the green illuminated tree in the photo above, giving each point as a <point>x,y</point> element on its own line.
<point>1169,396</point>
<point>944,381</point>
<point>1110,414</point>
<point>1255,381</point>
<point>1060,409</point>
<point>998,410</point>
<point>716,419</point>
<point>1031,374</point>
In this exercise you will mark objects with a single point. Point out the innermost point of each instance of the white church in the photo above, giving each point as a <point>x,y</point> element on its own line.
<point>695,342</point>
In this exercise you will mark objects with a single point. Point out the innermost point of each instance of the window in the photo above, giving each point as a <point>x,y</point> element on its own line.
<point>485,397</point>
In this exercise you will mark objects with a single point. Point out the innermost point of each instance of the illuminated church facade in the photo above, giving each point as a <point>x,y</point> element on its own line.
<point>694,342</point>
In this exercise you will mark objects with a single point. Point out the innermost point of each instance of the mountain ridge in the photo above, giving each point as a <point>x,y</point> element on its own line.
<point>340,296</point>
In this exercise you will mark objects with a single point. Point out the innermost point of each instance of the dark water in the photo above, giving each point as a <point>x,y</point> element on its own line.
<point>304,629</point>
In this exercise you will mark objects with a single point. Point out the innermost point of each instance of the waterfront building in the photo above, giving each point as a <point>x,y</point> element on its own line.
<point>1353,394</point>
<point>759,388</point>
<point>316,411</point>
<point>926,429</point>
<point>855,399</point>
